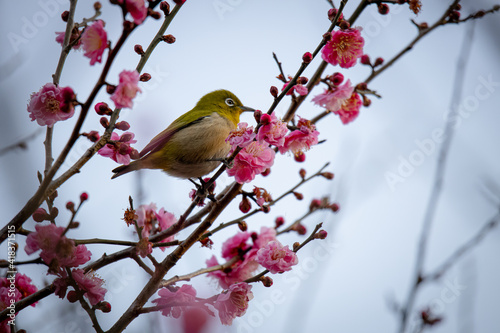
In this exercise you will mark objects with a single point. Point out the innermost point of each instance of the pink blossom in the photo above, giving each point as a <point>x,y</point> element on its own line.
<point>302,138</point>
<point>5,297</point>
<point>24,285</point>
<point>299,88</point>
<point>344,48</point>
<point>127,89</point>
<point>242,136</point>
<point>166,220</point>
<point>276,258</point>
<point>51,104</point>
<point>136,8</point>
<point>175,302</point>
<point>239,272</point>
<point>273,132</point>
<point>266,235</point>
<point>74,35</point>
<point>235,245</point>
<point>120,150</point>
<point>252,160</point>
<point>146,218</point>
<point>333,100</point>
<point>233,302</point>
<point>350,109</point>
<point>56,247</point>
<point>91,284</point>
<point>95,41</point>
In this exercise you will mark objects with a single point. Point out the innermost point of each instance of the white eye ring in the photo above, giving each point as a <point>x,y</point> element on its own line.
<point>229,102</point>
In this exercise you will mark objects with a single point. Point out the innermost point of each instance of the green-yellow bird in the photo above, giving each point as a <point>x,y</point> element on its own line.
<point>194,144</point>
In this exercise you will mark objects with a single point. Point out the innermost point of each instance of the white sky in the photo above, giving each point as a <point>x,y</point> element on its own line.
<point>344,284</point>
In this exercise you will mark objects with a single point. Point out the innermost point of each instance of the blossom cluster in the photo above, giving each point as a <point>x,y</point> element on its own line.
<point>257,155</point>
<point>12,289</point>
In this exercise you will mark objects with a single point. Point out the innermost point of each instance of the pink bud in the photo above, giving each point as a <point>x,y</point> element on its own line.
<point>307,57</point>
<point>122,125</point>
<point>40,215</point>
<point>300,157</point>
<point>245,205</point>
<point>84,196</point>
<point>337,78</point>
<point>280,220</point>
<point>365,59</point>
<point>265,119</point>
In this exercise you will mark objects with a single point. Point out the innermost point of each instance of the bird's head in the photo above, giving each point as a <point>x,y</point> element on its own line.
<point>225,103</point>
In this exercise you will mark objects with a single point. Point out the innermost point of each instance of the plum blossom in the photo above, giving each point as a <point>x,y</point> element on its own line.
<point>276,258</point>
<point>136,8</point>
<point>241,136</point>
<point>233,302</point>
<point>127,89</point>
<point>350,109</point>
<point>74,35</point>
<point>239,272</point>
<point>22,288</point>
<point>57,250</point>
<point>252,160</point>
<point>184,295</point>
<point>333,100</point>
<point>153,222</point>
<point>119,150</point>
<point>344,48</point>
<point>235,245</point>
<point>273,132</point>
<point>51,104</point>
<point>95,41</point>
<point>91,284</point>
<point>301,139</point>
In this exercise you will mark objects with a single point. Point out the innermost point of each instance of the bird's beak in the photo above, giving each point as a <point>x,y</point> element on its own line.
<point>246,108</point>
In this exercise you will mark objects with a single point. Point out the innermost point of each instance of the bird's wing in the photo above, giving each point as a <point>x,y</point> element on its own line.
<point>161,139</point>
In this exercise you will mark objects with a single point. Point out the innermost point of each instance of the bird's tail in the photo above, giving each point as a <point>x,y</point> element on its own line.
<point>123,169</point>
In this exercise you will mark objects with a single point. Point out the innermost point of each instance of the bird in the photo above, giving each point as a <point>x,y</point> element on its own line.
<point>194,144</point>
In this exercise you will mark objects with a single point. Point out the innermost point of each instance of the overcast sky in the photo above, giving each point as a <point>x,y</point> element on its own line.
<point>345,283</point>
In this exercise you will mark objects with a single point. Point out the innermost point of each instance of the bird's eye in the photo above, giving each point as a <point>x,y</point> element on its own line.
<point>229,102</point>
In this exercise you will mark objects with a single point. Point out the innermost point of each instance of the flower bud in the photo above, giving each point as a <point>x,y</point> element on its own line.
<point>104,122</point>
<point>366,101</point>
<point>379,61</point>
<point>245,205</point>
<point>295,246</point>
<point>423,26</point>
<point>334,207</point>
<point>327,175</point>
<point>302,80</point>
<point>280,220</point>
<point>327,36</point>
<point>300,157</point>
<point>165,7</point>
<point>307,57</point>
<point>337,78</point>
<point>361,86</point>
<point>206,242</point>
<point>365,59</point>
<point>70,205</point>
<point>454,16</point>
<point>298,196</point>
<point>479,14</point>
<point>110,89</point>
<point>315,204</point>
<point>134,154</point>
<point>93,136</point>
<point>321,234</point>
<point>302,173</point>
<point>53,213</point>
<point>257,114</point>
<point>266,172</point>
<point>40,215</point>
<point>169,39</point>
<point>138,49</point>
<point>65,16</point>
<point>243,226</point>
<point>265,119</point>
<point>126,137</point>
<point>154,14</point>
<point>265,209</point>
<point>122,125</point>
<point>104,306</point>
<point>145,77</point>
<point>102,109</point>
<point>97,5</point>
<point>383,9</point>
<point>179,2</point>
<point>84,196</point>
<point>72,296</point>
<point>266,281</point>
<point>301,229</point>
<point>74,225</point>
<point>344,25</point>
<point>274,91</point>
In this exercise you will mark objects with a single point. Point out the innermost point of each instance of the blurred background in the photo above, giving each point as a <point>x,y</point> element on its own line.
<point>347,283</point>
